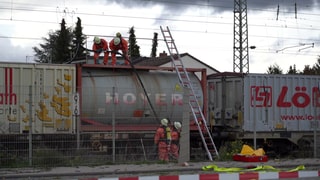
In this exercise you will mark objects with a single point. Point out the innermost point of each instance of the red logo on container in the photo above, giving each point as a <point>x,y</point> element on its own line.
<point>8,97</point>
<point>261,96</point>
<point>299,99</point>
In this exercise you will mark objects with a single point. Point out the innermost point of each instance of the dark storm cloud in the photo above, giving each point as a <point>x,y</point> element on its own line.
<point>169,5</point>
<point>220,5</point>
<point>173,8</point>
<point>284,5</point>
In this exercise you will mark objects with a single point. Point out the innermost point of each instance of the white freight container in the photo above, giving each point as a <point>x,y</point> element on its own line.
<point>271,102</point>
<point>40,95</point>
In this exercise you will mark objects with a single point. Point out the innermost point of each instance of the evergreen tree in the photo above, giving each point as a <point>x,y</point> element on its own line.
<point>154,45</point>
<point>44,53</point>
<point>316,67</point>
<point>308,70</point>
<point>57,48</point>
<point>275,69</point>
<point>134,49</point>
<point>78,42</point>
<point>62,50</point>
<point>292,70</point>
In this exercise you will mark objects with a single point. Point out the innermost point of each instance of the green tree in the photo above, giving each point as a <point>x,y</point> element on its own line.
<point>274,69</point>
<point>78,42</point>
<point>44,53</point>
<point>57,48</point>
<point>154,45</point>
<point>308,70</point>
<point>134,49</point>
<point>316,67</point>
<point>62,50</point>
<point>292,70</point>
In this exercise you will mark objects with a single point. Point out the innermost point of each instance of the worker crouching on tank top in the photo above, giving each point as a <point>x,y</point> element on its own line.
<point>162,139</point>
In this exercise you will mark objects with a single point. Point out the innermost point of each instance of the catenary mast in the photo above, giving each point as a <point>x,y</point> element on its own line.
<point>240,40</point>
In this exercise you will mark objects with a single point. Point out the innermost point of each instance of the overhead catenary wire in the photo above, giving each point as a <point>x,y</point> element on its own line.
<point>205,3</point>
<point>140,17</point>
<point>177,30</point>
<point>131,16</point>
<point>213,20</point>
<point>205,21</point>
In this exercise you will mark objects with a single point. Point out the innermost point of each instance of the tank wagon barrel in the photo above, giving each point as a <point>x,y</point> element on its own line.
<point>109,93</point>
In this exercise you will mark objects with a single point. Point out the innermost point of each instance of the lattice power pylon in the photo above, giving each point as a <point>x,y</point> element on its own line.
<point>240,40</point>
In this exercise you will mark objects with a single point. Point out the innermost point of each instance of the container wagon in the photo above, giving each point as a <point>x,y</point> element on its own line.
<point>281,111</point>
<point>36,99</point>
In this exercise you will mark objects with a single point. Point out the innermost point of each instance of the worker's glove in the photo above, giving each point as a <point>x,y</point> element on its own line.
<point>99,50</point>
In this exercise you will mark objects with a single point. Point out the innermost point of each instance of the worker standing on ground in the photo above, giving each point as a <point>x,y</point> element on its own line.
<point>98,46</point>
<point>175,136</point>
<point>116,44</point>
<point>162,139</point>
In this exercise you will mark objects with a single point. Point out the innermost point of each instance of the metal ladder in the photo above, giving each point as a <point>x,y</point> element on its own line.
<point>185,81</point>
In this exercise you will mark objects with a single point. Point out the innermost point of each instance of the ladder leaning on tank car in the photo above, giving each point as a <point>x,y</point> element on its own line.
<point>185,81</point>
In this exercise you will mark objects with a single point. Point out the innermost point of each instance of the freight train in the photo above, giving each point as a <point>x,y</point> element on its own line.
<point>94,102</point>
<point>101,103</point>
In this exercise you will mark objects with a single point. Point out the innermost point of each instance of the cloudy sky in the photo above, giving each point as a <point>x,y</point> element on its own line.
<point>202,28</point>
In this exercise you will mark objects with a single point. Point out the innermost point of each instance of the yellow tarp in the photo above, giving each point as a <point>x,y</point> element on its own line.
<point>259,152</point>
<point>265,168</point>
<point>247,150</point>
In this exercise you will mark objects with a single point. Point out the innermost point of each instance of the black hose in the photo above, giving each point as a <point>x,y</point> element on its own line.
<point>72,58</point>
<point>137,74</point>
<point>144,89</point>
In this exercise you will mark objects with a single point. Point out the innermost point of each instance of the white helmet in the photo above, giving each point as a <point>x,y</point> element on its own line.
<point>116,41</point>
<point>96,40</point>
<point>164,122</point>
<point>177,125</point>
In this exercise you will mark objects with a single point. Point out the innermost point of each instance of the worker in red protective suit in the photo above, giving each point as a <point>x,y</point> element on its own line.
<point>175,136</point>
<point>100,45</point>
<point>162,139</point>
<point>116,44</point>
